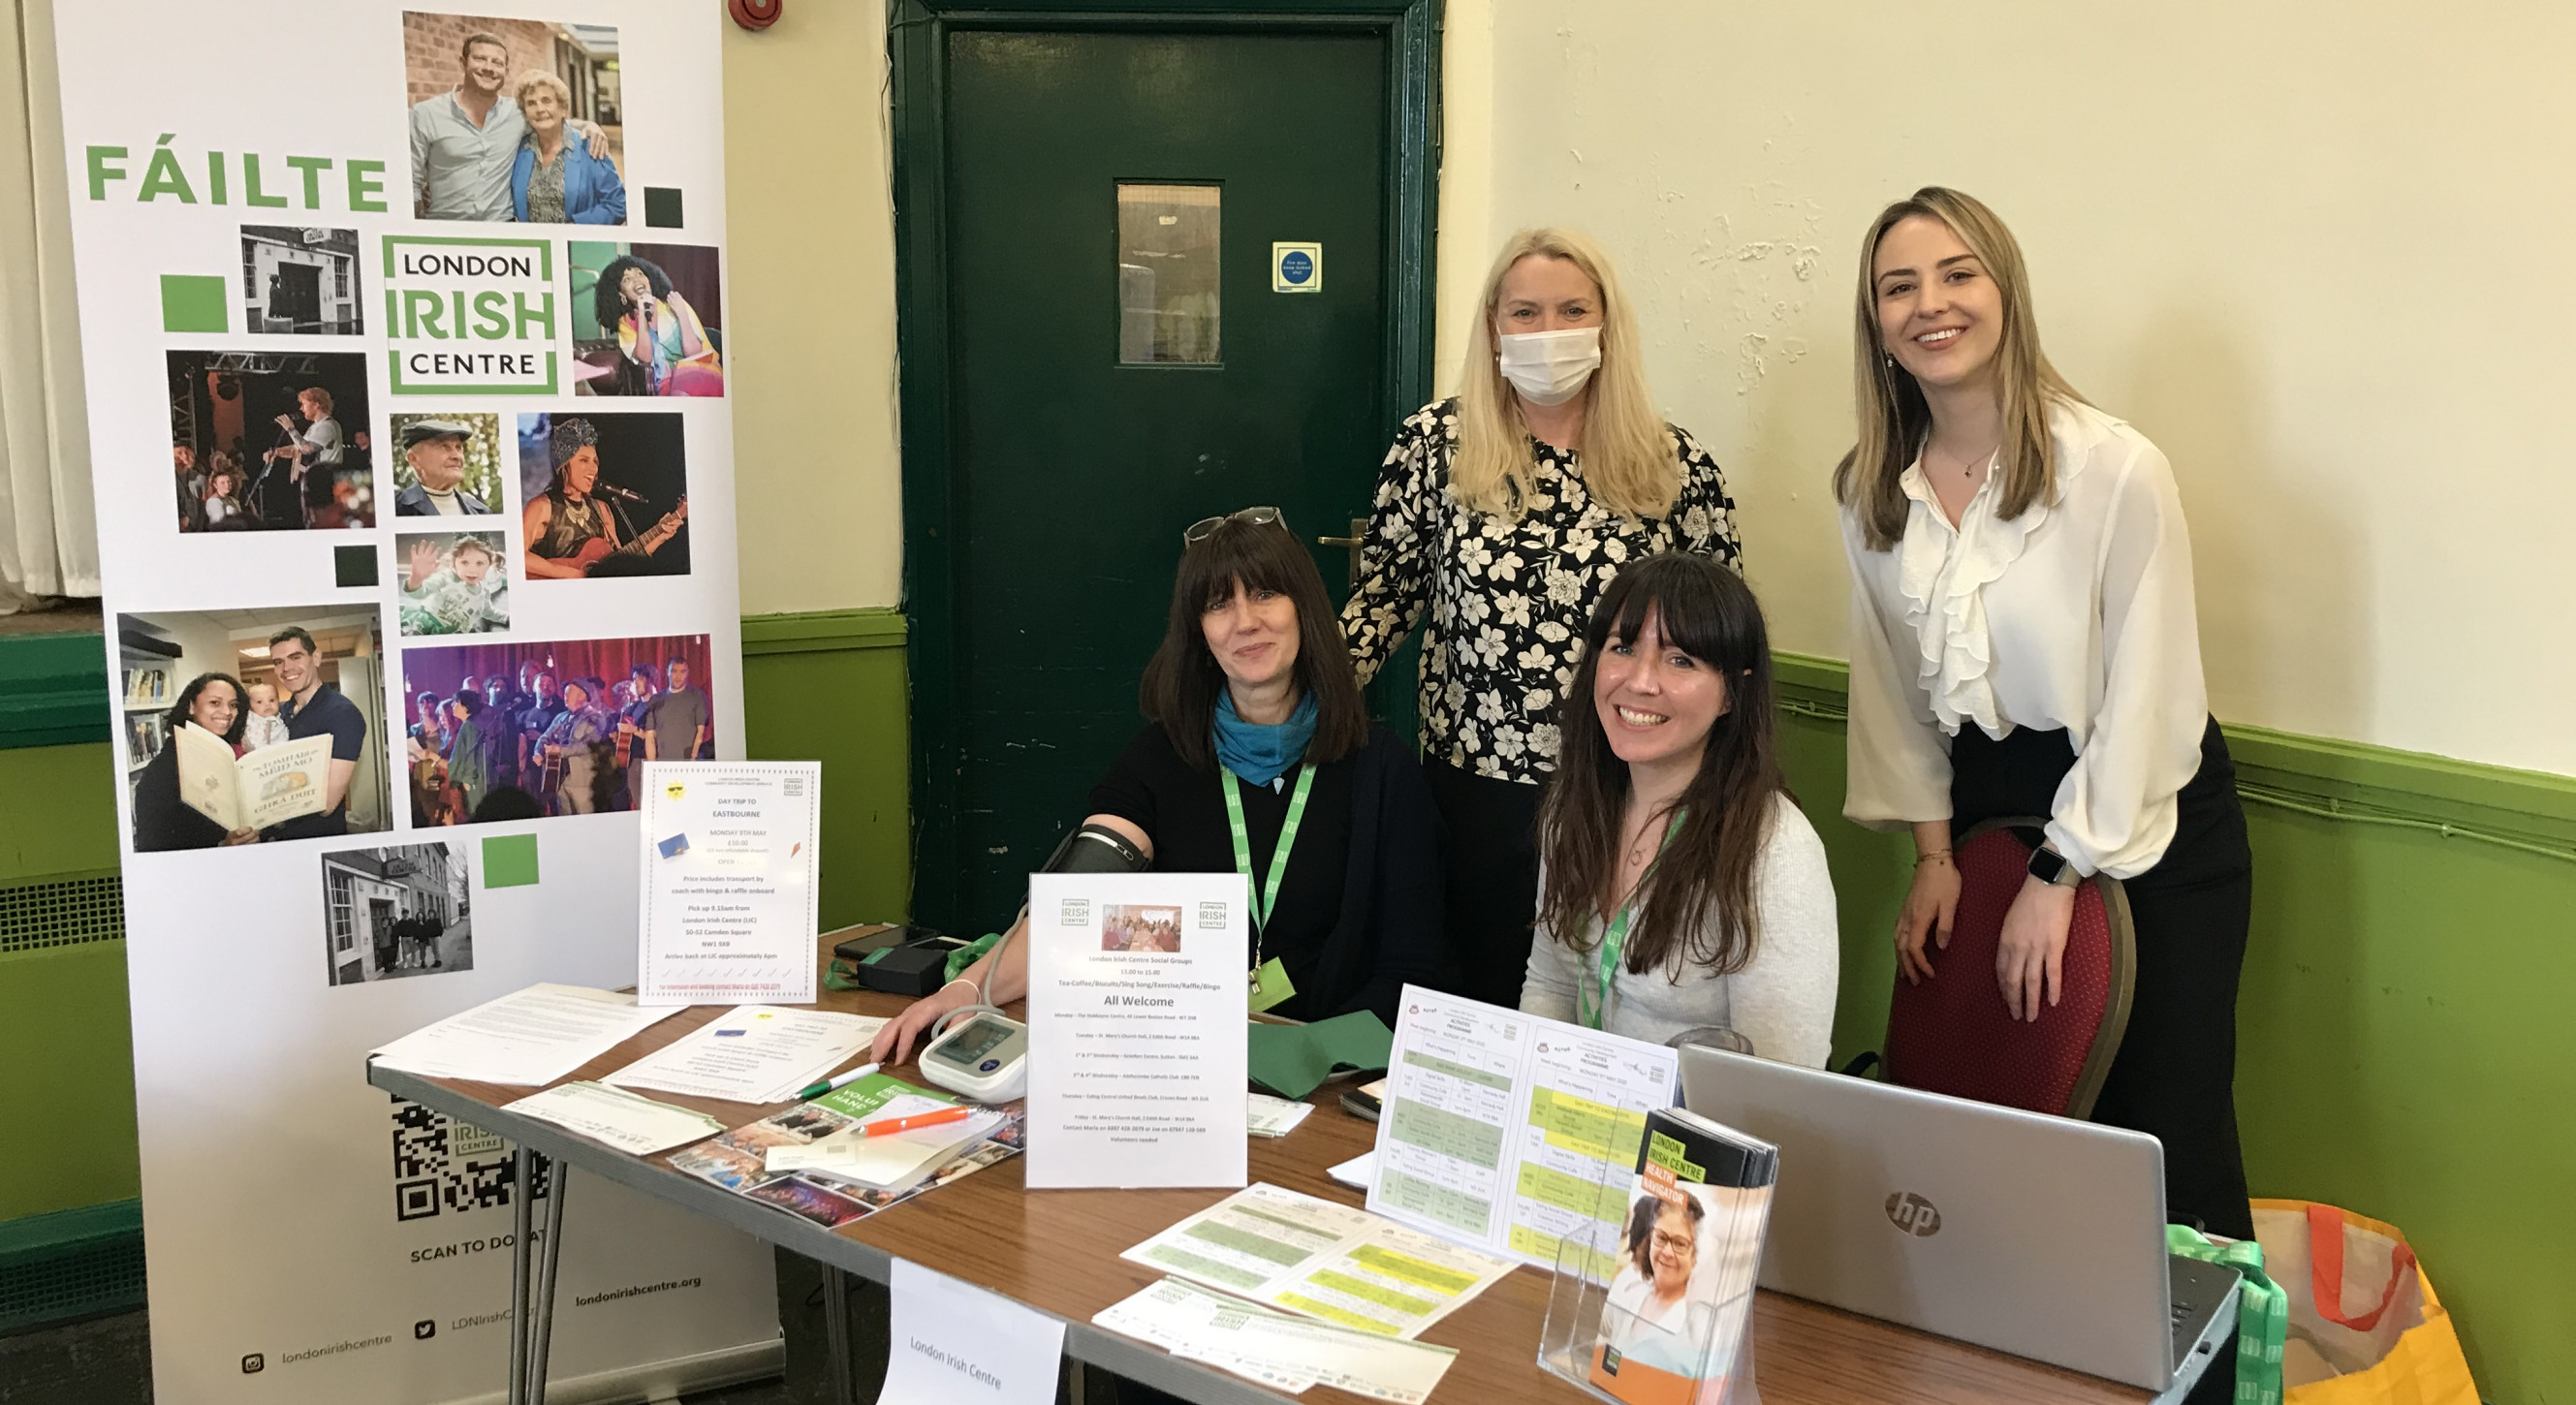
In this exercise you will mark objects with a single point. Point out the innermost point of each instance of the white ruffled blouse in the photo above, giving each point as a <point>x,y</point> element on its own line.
<point>2077,614</point>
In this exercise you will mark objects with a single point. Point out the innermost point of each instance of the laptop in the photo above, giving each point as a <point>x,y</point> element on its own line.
<point>2035,1235</point>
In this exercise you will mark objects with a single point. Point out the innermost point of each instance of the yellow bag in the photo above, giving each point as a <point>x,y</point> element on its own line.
<point>2365,1328</point>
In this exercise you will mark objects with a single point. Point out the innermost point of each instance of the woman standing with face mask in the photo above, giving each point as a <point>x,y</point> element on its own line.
<point>1506,512</point>
<point>2024,642</point>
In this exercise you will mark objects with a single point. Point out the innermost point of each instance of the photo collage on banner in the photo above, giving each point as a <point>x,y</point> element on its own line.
<point>393,660</point>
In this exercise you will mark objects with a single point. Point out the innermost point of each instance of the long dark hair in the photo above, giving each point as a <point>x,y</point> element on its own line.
<point>1183,680</point>
<point>1707,612</point>
<point>188,699</point>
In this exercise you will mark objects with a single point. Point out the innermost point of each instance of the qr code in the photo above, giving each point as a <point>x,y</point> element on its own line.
<point>442,1165</point>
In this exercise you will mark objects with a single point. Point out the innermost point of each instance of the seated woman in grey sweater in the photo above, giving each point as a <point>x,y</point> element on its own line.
<point>1680,886</point>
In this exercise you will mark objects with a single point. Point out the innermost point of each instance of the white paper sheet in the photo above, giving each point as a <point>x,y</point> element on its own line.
<point>1136,1030</point>
<point>752,1054</point>
<point>1501,1129</point>
<point>953,1341</point>
<point>1324,1260</point>
<point>635,1125</point>
<point>728,873</point>
<point>1359,1173</point>
<point>1274,1117</point>
<point>531,1036</point>
<point>1285,1353</point>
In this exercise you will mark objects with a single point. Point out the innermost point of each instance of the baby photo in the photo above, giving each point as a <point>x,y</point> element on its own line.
<point>453,582</point>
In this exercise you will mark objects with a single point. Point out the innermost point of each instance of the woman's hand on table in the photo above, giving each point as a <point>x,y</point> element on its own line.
<point>894,1041</point>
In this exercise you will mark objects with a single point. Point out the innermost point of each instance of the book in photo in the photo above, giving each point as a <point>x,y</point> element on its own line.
<point>396,911</point>
<point>275,734</point>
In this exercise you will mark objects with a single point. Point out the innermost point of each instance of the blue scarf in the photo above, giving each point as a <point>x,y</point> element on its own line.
<point>1262,754</point>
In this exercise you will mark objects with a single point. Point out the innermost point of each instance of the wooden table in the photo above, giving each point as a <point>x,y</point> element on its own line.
<point>1057,1252</point>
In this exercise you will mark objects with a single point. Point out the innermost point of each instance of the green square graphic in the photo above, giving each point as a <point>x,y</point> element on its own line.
<point>354,565</point>
<point>193,302</point>
<point>661,207</point>
<point>510,861</point>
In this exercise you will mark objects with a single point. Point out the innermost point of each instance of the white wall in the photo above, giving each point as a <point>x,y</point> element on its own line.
<point>2319,256</point>
<point>810,218</point>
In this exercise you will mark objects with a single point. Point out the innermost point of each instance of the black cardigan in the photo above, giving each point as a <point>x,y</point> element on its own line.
<point>1389,931</point>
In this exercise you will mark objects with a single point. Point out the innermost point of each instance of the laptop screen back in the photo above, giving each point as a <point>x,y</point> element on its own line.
<point>2035,1235</point>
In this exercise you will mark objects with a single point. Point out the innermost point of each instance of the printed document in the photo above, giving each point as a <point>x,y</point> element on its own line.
<point>752,1054</point>
<point>1284,1353</point>
<point>1323,1260</point>
<point>536,1035</point>
<point>729,881</point>
<point>1137,1043</point>
<point>1508,1131</point>
<point>635,1125</point>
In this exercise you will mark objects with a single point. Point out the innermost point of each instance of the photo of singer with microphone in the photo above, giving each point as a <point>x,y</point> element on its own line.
<point>606,495</point>
<point>654,319</point>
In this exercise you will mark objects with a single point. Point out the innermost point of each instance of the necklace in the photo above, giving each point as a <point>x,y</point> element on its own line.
<point>1969,466</point>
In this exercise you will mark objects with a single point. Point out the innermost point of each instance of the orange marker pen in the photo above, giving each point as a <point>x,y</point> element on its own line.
<point>905,1124</point>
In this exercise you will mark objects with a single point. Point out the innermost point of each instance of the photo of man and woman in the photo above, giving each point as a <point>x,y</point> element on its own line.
<point>514,120</point>
<point>647,319</point>
<point>447,464</point>
<point>402,910</point>
<point>520,731</point>
<point>301,282</point>
<point>452,582</point>
<point>1131,927</point>
<point>606,494</point>
<point>274,735</point>
<point>270,440</point>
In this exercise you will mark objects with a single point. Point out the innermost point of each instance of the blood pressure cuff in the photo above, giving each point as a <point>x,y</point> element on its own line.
<point>1096,849</point>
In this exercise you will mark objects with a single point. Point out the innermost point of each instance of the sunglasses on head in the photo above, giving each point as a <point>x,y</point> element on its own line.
<point>1205,527</point>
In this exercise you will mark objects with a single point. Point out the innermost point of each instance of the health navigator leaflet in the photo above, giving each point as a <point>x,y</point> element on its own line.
<point>1510,1131</point>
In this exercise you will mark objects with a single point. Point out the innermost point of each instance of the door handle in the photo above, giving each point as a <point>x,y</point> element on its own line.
<point>1359,533</point>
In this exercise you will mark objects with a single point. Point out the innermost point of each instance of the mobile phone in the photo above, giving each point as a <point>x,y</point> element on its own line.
<point>1360,1105</point>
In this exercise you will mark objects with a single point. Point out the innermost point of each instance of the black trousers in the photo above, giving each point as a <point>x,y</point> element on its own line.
<point>1492,891</point>
<point>2175,1075</point>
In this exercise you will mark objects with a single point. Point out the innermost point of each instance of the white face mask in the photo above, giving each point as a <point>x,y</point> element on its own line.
<point>1550,368</point>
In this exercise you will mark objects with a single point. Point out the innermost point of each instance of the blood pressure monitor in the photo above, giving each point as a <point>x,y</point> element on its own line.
<point>985,1057</point>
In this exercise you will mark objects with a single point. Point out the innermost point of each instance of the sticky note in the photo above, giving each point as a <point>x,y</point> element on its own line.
<point>192,302</point>
<point>509,861</point>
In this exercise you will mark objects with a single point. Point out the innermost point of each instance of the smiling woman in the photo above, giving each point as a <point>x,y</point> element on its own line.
<point>2024,642</point>
<point>1259,758</point>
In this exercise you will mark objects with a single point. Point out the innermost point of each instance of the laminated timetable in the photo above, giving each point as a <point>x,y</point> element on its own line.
<point>1509,1131</point>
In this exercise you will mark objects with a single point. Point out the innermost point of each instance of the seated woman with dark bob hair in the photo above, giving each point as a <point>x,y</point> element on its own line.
<point>1254,704</point>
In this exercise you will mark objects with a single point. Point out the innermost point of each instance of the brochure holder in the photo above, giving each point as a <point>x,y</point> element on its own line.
<point>1607,1336</point>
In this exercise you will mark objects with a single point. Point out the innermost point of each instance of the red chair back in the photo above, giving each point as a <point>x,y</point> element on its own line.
<point>1953,1034</point>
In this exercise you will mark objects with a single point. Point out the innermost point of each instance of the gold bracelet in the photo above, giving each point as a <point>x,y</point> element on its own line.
<point>1921,859</point>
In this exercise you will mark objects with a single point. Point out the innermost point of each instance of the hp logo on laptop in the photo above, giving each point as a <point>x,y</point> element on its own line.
<point>1913,1214</point>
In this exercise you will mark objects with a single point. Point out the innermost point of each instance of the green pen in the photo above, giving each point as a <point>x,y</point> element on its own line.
<point>816,1090</point>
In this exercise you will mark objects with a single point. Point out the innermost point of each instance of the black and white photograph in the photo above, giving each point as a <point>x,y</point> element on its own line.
<point>301,282</point>
<point>401,910</point>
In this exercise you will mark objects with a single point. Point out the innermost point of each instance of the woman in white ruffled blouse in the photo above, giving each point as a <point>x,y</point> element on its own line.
<point>2024,643</point>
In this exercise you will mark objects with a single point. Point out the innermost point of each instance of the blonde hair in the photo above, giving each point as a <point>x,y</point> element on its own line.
<point>1631,463</point>
<point>1895,419</point>
<point>539,78</point>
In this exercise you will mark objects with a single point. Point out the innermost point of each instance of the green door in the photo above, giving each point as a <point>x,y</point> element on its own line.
<point>1125,353</point>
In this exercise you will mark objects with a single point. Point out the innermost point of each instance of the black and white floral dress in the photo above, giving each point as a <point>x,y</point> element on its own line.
<point>1509,600</point>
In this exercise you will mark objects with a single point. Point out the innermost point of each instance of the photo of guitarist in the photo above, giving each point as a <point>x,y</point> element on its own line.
<point>577,527</point>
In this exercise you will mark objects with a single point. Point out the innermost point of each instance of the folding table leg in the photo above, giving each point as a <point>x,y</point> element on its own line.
<point>843,1381</point>
<point>520,1297</point>
<point>560,1176</point>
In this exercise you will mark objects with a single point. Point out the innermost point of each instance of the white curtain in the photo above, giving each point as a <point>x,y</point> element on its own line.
<point>48,525</point>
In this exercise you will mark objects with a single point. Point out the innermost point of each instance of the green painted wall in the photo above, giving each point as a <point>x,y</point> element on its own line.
<point>2404,1019</point>
<point>2403,1024</point>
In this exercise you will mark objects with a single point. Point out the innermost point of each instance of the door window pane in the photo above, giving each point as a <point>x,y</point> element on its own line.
<point>1167,275</point>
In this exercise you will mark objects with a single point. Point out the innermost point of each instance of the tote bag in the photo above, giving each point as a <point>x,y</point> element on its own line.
<point>2364,1325</point>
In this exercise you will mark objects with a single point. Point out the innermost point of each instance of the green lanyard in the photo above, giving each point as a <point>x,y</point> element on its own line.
<point>1268,898</point>
<point>1616,937</point>
<point>2262,1312</point>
